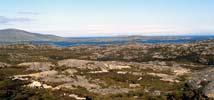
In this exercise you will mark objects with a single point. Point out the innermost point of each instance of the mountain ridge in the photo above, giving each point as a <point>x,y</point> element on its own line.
<point>15,35</point>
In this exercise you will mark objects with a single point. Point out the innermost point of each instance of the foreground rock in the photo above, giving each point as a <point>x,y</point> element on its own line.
<point>209,90</point>
<point>204,79</point>
<point>3,65</point>
<point>37,66</point>
<point>165,77</point>
<point>93,65</point>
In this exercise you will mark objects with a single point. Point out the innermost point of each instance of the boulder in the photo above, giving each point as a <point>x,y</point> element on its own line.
<point>3,65</point>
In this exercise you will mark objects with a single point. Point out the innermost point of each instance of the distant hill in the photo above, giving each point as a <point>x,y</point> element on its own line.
<point>16,35</point>
<point>138,38</point>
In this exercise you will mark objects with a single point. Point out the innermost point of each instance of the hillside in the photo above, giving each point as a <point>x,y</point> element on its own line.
<point>15,35</point>
<point>131,71</point>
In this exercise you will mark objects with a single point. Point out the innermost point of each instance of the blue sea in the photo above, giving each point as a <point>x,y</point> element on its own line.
<point>154,41</point>
<point>190,39</point>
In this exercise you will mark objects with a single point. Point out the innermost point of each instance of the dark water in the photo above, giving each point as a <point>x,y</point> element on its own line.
<point>78,43</point>
<point>104,43</point>
<point>190,39</point>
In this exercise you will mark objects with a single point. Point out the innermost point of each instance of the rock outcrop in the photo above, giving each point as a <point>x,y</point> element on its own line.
<point>3,65</point>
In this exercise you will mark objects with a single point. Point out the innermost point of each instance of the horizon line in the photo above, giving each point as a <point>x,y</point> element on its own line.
<point>126,34</point>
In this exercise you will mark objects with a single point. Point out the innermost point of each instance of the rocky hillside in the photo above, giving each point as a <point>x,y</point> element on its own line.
<point>130,71</point>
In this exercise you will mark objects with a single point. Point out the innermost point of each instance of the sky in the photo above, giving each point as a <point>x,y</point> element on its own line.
<point>109,17</point>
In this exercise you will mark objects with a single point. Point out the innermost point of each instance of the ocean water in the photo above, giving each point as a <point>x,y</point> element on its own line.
<point>104,43</point>
<point>190,39</point>
<point>78,43</point>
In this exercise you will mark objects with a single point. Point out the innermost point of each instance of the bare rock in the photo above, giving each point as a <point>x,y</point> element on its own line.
<point>3,65</point>
<point>165,77</point>
<point>38,66</point>
<point>209,90</point>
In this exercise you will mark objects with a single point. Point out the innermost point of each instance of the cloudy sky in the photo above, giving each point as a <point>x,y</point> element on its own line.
<point>109,17</point>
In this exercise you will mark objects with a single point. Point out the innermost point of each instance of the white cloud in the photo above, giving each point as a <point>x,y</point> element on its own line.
<point>7,20</point>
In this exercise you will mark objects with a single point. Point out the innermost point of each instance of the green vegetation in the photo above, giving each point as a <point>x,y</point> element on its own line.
<point>15,90</point>
<point>186,92</point>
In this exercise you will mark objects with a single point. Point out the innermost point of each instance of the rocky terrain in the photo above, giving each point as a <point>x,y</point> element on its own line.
<point>132,71</point>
